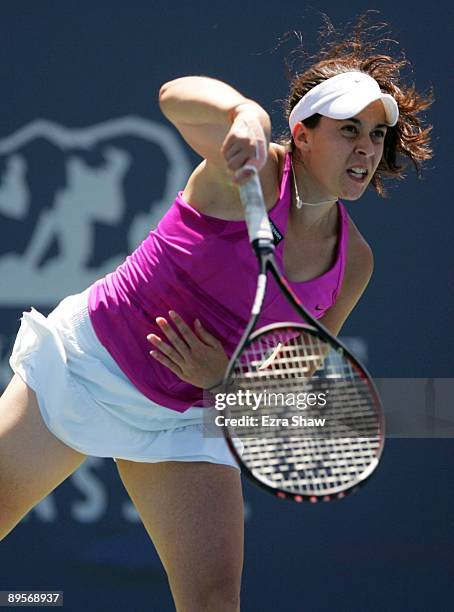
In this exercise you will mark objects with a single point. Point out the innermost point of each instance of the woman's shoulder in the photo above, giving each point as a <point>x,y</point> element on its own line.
<point>360,258</point>
<point>278,154</point>
<point>211,191</point>
<point>358,271</point>
<point>271,175</point>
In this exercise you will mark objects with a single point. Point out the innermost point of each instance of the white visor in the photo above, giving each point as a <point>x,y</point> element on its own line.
<point>343,96</point>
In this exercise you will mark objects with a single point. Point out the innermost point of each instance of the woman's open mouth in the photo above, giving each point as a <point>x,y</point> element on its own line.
<point>358,174</point>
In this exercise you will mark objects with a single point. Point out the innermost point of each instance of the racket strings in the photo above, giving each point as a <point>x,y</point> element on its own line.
<point>314,427</point>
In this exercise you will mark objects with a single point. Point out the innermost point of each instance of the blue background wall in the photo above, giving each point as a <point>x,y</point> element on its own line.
<point>79,65</point>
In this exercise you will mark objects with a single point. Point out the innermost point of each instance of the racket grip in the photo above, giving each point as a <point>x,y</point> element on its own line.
<point>255,210</point>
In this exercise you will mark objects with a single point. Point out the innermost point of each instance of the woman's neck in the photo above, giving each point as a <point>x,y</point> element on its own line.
<point>310,208</point>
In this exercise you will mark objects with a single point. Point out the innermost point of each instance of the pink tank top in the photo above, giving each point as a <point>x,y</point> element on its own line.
<point>201,267</point>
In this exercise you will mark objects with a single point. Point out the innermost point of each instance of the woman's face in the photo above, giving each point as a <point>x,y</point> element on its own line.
<point>341,156</point>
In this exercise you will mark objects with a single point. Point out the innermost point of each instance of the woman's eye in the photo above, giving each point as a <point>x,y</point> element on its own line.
<point>379,134</point>
<point>350,129</point>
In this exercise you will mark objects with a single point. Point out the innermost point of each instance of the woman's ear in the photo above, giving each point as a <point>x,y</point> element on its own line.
<point>301,137</point>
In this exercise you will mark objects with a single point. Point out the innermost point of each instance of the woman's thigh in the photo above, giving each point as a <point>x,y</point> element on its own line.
<point>32,460</point>
<point>193,512</point>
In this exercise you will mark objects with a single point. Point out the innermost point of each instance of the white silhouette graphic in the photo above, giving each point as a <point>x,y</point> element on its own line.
<point>75,208</point>
<point>14,193</point>
<point>89,195</point>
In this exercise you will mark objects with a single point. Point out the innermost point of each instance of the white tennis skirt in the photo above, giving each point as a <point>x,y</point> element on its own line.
<point>89,403</point>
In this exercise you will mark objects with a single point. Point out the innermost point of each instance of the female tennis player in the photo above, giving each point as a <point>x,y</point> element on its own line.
<point>85,382</point>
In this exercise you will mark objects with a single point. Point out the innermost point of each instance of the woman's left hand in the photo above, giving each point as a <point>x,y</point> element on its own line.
<point>196,356</point>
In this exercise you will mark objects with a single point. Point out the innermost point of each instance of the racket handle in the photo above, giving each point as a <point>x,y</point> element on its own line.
<point>257,221</point>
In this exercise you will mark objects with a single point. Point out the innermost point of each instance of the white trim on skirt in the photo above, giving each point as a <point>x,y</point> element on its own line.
<point>88,402</point>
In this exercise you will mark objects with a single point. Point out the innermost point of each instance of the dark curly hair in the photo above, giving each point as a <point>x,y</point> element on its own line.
<point>360,50</point>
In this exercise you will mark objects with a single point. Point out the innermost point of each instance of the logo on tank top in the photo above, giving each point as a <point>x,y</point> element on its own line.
<point>277,236</point>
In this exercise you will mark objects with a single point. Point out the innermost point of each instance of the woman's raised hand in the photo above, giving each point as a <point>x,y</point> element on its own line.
<point>245,145</point>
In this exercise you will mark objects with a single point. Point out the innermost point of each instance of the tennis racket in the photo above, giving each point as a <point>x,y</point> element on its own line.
<point>303,417</point>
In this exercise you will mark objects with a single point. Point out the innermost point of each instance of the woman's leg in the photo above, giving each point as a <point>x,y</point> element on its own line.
<point>32,460</point>
<point>193,512</point>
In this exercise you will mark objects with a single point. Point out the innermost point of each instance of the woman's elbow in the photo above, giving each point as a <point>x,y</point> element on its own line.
<point>164,92</point>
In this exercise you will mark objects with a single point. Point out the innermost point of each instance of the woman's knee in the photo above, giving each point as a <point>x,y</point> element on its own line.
<point>11,514</point>
<point>217,593</point>
<point>222,596</point>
